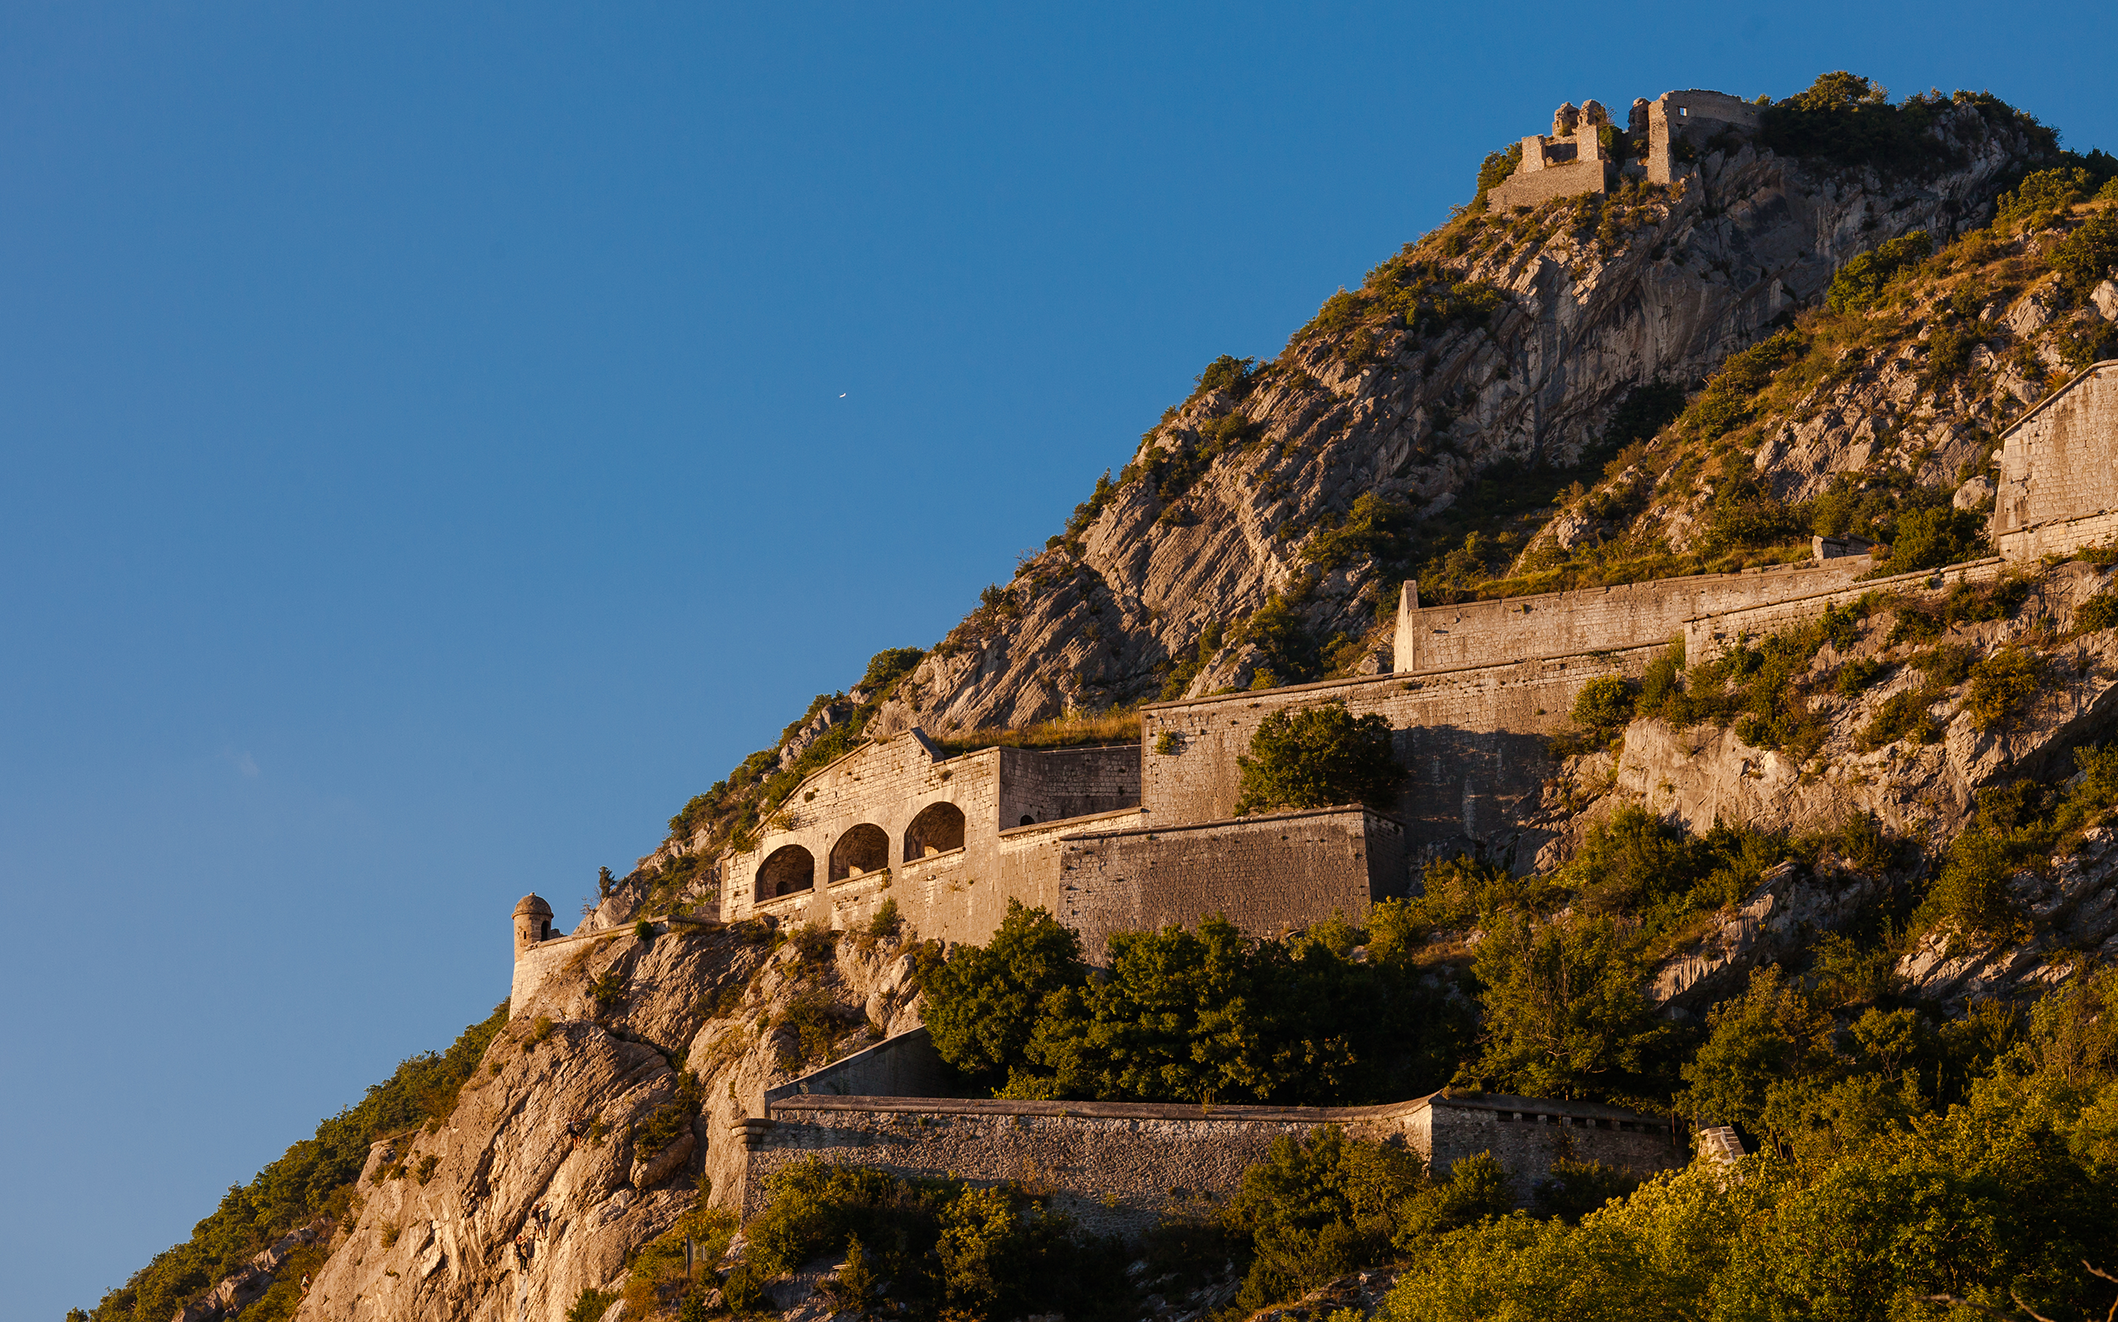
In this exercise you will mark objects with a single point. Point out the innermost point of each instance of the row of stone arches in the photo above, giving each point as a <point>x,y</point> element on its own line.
<point>864,848</point>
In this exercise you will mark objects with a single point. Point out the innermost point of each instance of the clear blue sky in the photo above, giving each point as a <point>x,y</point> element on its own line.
<point>440,439</point>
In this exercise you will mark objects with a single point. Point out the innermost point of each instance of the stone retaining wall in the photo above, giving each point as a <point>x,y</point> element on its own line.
<point>1473,742</point>
<point>1479,633</point>
<point>1120,1167</point>
<point>2059,465</point>
<point>1267,874</point>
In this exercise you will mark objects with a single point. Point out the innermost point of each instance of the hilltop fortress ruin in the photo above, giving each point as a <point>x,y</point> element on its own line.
<point>1585,154</point>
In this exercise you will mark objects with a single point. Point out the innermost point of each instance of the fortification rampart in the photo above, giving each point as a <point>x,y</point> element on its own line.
<point>1666,135</point>
<point>2059,470</point>
<point>1267,874</point>
<point>949,838</point>
<point>1472,741</point>
<point>536,962</point>
<point>1581,620</point>
<point>1708,638</point>
<point>907,1065</point>
<point>1120,1167</point>
<point>1572,160</point>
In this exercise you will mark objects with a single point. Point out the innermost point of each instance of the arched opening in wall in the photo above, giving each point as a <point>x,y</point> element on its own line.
<point>863,848</point>
<point>790,868</point>
<point>1028,820</point>
<point>937,830</point>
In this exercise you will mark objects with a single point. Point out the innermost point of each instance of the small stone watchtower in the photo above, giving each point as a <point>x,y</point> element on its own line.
<point>533,922</point>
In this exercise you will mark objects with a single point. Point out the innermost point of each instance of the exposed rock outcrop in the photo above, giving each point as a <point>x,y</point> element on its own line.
<point>1686,276</point>
<point>542,1181</point>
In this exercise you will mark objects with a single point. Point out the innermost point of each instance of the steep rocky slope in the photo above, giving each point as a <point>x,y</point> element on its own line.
<point>1259,534</point>
<point>580,1141</point>
<point>1498,339</point>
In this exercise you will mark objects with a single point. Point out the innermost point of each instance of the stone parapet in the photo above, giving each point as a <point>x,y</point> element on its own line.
<point>1582,620</point>
<point>1709,637</point>
<point>1473,742</point>
<point>1119,1167</point>
<point>2059,469</point>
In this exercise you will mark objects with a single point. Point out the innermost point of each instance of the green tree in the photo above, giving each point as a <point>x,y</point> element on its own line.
<point>1770,1036</point>
<point>1604,707</point>
<point>1565,1015</point>
<point>983,1004</point>
<point>1207,1015</point>
<point>1316,1208</point>
<point>1318,757</point>
<point>2088,256</point>
<point>1931,538</point>
<point>1860,281</point>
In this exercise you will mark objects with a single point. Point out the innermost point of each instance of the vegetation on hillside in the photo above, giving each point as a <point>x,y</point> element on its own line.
<point>315,1178</point>
<point>1903,1155</point>
<point>1197,1016</point>
<point>942,1248</point>
<point>1893,1202</point>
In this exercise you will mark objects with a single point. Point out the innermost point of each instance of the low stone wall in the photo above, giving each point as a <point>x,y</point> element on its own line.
<point>1120,1167</point>
<point>1480,633</point>
<point>1529,188</point>
<point>2061,537</point>
<point>1268,874</point>
<point>535,966</point>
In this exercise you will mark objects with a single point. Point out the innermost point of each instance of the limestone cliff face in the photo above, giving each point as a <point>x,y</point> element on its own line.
<point>541,1183</point>
<point>1229,489</point>
<point>1919,788</point>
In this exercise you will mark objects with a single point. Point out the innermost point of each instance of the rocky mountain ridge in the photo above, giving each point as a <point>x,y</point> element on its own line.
<point>1527,333</point>
<point>1233,551</point>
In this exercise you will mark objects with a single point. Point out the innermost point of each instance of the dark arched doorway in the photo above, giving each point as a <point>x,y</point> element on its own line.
<point>862,848</point>
<point>937,830</point>
<point>790,868</point>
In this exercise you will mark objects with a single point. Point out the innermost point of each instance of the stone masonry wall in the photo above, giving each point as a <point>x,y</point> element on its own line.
<point>1051,784</point>
<point>2059,464</point>
<point>907,1065</point>
<point>1530,188</point>
<point>1529,1134</point>
<point>1473,742</point>
<point>1695,116</point>
<point>960,894</point>
<point>1706,639</point>
<point>1267,874</point>
<point>1479,633</point>
<point>1120,1167</point>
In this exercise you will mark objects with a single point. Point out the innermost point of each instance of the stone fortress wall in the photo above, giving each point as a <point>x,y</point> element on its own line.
<point>951,839</point>
<point>1137,835</point>
<point>1485,633</point>
<point>1118,1167</point>
<point>1692,117</point>
<point>1268,874</point>
<point>2058,482</point>
<point>1573,160</point>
